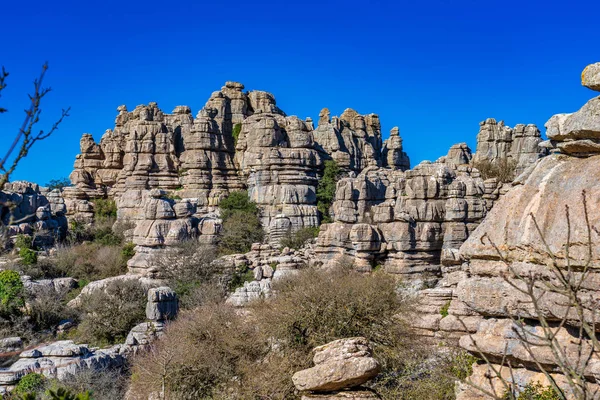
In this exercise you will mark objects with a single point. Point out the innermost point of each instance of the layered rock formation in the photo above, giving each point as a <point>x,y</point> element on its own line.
<point>548,218</point>
<point>340,368</point>
<point>26,208</point>
<point>519,145</point>
<point>406,221</point>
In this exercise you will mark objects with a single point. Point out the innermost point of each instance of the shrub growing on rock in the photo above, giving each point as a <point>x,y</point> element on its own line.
<point>105,208</point>
<point>12,294</point>
<point>326,189</point>
<point>241,224</point>
<point>90,261</point>
<point>108,315</point>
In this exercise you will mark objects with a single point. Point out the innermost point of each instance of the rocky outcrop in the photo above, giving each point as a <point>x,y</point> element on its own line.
<point>407,221</point>
<point>340,367</point>
<point>544,217</point>
<point>26,208</point>
<point>590,77</point>
<point>519,145</point>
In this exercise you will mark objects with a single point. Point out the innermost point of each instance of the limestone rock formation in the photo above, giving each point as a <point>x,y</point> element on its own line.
<point>393,155</point>
<point>519,145</point>
<point>590,77</point>
<point>406,220</point>
<point>341,364</point>
<point>526,229</point>
<point>26,208</point>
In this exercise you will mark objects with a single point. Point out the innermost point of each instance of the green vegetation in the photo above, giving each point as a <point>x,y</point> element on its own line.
<point>235,133</point>
<point>31,382</point>
<point>444,309</point>
<point>12,294</point>
<point>299,238</point>
<point>237,201</point>
<point>534,391</point>
<point>240,276</point>
<point>105,208</point>
<point>59,184</point>
<point>504,169</point>
<point>326,189</point>
<point>241,224</point>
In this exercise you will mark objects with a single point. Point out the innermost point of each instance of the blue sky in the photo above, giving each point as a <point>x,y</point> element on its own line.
<point>435,69</point>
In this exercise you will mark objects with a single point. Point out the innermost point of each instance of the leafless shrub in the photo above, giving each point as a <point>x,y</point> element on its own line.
<point>108,315</point>
<point>503,169</point>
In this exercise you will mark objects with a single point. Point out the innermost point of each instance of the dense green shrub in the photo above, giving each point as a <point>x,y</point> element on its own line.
<point>12,294</point>
<point>30,383</point>
<point>235,133</point>
<point>237,201</point>
<point>295,240</point>
<point>240,231</point>
<point>128,251</point>
<point>24,242</point>
<point>104,208</point>
<point>28,256</point>
<point>326,189</point>
<point>108,315</point>
<point>504,169</point>
<point>241,223</point>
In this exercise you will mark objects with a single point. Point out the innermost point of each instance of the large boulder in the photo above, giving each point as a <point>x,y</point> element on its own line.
<point>341,364</point>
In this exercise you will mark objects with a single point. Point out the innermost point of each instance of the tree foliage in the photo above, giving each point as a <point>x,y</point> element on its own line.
<point>241,223</point>
<point>326,189</point>
<point>59,184</point>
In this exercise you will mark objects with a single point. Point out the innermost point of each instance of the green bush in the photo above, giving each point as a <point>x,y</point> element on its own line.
<point>24,242</point>
<point>105,208</point>
<point>237,201</point>
<point>128,251</point>
<point>241,223</point>
<point>240,231</point>
<point>299,238</point>
<point>235,133</point>
<point>28,256</point>
<point>444,309</point>
<point>12,294</point>
<point>326,189</point>
<point>30,383</point>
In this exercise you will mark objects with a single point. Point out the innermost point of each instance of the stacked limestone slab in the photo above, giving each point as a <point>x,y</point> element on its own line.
<point>408,222</point>
<point>26,208</point>
<point>341,367</point>
<point>509,242</point>
<point>519,145</point>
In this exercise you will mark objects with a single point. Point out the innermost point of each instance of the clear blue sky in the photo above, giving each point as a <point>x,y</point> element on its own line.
<point>435,69</point>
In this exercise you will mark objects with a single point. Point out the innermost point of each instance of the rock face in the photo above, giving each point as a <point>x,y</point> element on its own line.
<point>590,77</point>
<point>519,145</point>
<point>26,208</point>
<point>341,364</point>
<point>168,172</point>
<point>409,222</point>
<point>529,226</point>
